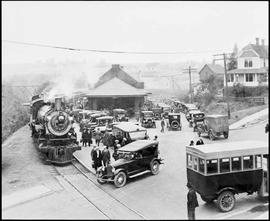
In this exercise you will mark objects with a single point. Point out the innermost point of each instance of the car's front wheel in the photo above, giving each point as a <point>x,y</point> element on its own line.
<point>99,178</point>
<point>120,179</point>
<point>154,166</point>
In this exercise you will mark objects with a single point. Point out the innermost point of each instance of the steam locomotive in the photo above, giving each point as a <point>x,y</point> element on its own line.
<point>52,130</point>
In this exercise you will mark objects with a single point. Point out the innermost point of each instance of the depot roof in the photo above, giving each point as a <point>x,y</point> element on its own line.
<point>228,149</point>
<point>116,88</point>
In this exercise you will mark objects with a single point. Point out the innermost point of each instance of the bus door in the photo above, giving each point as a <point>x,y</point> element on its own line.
<point>264,191</point>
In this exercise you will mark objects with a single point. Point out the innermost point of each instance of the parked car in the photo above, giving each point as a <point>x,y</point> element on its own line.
<point>196,117</point>
<point>157,113</point>
<point>91,121</point>
<point>174,121</point>
<point>104,123</point>
<point>134,159</point>
<point>130,131</point>
<point>120,115</point>
<point>188,107</point>
<point>166,109</point>
<point>189,112</point>
<point>147,119</point>
<point>218,171</point>
<point>214,126</point>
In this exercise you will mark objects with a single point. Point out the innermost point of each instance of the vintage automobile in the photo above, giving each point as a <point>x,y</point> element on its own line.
<point>218,171</point>
<point>130,131</point>
<point>91,122</point>
<point>188,107</point>
<point>190,111</point>
<point>134,159</point>
<point>120,114</point>
<point>103,123</point>
<point>214,126</point>
<point>157,112</point>
<point>174,121</point>
<point>196,117</point>
<point>147,119</point>
<point>166,109</point>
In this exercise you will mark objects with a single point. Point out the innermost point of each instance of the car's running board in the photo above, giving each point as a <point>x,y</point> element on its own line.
<point>141,173</point>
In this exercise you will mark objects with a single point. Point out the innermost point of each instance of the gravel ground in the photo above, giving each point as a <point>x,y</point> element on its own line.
<point>21,164</point>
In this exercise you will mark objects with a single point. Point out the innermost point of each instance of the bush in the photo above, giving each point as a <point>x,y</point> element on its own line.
<point>238,90</point>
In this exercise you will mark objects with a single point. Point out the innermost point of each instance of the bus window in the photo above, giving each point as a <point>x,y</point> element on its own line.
<point>201,165</point>
<point>195,165</point>
<point>248,162</point>
<point>189,161</point>
<point>211,166</point>
<point>224,165</point>
<point>236,163</point>
<point>258,161</point>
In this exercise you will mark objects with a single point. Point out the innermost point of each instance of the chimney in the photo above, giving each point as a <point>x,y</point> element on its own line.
<point>262,42</point>
<point>257,41</point>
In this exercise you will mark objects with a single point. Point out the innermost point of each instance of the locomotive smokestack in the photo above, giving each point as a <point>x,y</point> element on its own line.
<point>58,103</point>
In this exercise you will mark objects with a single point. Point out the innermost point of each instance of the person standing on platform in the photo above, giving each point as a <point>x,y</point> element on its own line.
<point>192,202</point>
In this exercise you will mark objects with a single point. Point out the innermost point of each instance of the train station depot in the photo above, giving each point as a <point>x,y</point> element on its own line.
<point>117,89</point>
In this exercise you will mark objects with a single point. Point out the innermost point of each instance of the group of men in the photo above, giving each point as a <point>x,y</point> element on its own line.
<point>199,142</point>
<point>100,158</point>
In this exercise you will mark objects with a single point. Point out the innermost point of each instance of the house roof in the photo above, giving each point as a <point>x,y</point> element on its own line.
<point>116,87</point>
<point>216,68</point>
<point>249,53</point>
<point>117,72</point>
<point>261,50</point>
<point>249,70</point>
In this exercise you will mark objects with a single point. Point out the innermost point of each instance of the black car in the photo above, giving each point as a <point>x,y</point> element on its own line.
<point>174,121</point>
<point>147,119</point>
<point>120,115</point>
<point>157,113</point>
<point>134,159</point>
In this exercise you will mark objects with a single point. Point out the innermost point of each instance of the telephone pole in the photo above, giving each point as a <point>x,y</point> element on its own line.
<point>189,70</point>
<point>226,80</point>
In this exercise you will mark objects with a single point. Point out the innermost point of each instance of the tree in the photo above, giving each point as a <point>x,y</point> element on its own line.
<point>232,62</point>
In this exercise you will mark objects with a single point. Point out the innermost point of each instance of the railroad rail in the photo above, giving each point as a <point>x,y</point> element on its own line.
<point>94,193</point>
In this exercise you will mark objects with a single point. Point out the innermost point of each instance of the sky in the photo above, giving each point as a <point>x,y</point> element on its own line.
<point>203,28</point>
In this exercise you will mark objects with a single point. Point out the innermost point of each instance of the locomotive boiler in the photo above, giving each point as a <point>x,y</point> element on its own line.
<point>52,130</point>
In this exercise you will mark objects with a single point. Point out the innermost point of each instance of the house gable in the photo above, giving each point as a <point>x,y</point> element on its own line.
<point>248,54</point>
<point>117,72</point>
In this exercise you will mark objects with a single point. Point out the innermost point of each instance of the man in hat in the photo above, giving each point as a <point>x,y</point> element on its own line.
<point>192,202</point>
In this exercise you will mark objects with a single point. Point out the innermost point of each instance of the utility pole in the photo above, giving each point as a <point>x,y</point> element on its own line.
<point>226,81</point>
<point>189,69</point>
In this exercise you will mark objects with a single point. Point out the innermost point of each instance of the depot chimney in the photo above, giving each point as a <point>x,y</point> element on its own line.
<point>262,42</point>
<point>257,41</point>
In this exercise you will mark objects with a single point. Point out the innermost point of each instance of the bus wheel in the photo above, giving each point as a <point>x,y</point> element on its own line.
<point>226,201</point>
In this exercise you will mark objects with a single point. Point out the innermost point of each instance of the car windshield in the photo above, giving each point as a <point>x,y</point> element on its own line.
<point>126,155</point>
<point>146,115</point>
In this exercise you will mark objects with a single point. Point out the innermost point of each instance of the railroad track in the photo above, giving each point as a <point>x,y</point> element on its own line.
<point>98,192</point>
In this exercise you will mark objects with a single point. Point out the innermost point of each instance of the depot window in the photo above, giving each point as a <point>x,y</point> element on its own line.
<point>212,166</point>
<point>189,161</point>
<point>258,161</point>
<point>224,165</point>
<point>248,162</point>
<point>236,164</point>
<point>201,165</point>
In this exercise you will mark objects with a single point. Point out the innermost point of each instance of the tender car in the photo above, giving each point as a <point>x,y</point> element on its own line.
<point>174,121</point>
<point>120,115</point>
<point>218,171</point>
<point>130,131</point>
<point>196,117</point>
<point>147,119</point>
<point>214,126</point>
<point>104,123</point>
<point>134,159</point>
<point>157,112</point>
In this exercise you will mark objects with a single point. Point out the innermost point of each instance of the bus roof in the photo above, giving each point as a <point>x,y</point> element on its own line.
<point>228,149</point>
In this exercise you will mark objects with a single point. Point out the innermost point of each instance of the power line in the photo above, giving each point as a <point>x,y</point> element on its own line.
<point>105,51</point>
